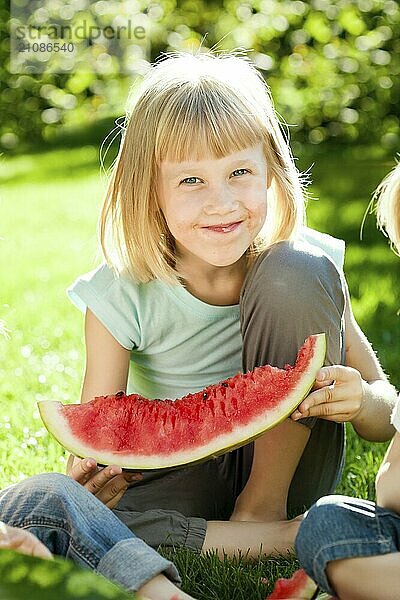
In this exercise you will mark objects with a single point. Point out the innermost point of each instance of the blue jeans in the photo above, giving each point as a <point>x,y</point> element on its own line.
<point>339,527</point>
<point>72,523</point>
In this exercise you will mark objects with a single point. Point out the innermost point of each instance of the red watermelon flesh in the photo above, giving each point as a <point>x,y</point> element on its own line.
<point>137,433</point>
<point>300,587</point>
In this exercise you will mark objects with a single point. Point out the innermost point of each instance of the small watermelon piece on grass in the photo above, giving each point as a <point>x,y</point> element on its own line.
<point>139,434</point>
<point>299,587</point>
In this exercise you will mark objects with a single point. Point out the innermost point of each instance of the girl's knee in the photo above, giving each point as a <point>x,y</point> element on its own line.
<point>292,291</point>
<point>293,272</point>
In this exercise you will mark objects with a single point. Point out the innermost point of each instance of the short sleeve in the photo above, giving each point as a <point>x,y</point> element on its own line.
<point>333,247</point>
<point>113,300</point>
<point>395,418</point>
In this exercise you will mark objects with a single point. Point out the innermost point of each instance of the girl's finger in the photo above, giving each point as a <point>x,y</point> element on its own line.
<point>82,470</point>
<point>332,409</point>
<point>113,501</point>
<point>333,393</point>
<point>336,373</point>
<point>320,384</point>
<point>324,395</point>
<point>336,418</point>
<point>112,492</point>
<point>100,479</point>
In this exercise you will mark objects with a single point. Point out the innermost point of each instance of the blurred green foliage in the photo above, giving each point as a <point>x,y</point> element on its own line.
<point>332,66</point>
<point>23,577</point>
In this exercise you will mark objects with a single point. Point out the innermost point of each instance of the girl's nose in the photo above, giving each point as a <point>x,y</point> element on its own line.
<point>220,202</point>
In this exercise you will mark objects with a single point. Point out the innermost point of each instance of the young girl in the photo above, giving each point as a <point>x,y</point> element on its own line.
<point>351,547</point>
<point>210,271</point>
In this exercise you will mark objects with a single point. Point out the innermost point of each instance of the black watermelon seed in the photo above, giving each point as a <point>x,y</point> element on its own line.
<point>205,395</point>
<point>119,394</point>
<point>224,384</point>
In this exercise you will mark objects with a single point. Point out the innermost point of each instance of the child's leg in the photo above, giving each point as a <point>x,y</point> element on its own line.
<point>169,529</point>
<point>227,537</point>
<point>351,547</point>
<point>291,292</point>
<point>367,578</point>
<point>72,523</point>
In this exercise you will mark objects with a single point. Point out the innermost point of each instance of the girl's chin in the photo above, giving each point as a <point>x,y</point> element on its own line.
<point>212,257</point>
<point>226,261</point>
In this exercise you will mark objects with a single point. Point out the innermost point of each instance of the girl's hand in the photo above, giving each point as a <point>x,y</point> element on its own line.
<point>339,396</point>
<point>108,484</point>
<point>13,538</point>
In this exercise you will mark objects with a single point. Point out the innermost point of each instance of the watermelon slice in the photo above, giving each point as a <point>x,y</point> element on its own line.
<point>140,434</point>
<point>300,587</point>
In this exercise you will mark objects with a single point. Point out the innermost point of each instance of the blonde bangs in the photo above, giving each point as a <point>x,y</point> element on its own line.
<point>204,120</point>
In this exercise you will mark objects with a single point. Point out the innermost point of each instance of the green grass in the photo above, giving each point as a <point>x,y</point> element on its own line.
<point>211,578</point>
<point>48,213</point>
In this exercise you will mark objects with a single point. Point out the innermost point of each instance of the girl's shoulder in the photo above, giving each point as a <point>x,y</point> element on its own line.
<point>333,247</point>
<point>105,283</point>
<point>103,277</point>
<point>115,299</point>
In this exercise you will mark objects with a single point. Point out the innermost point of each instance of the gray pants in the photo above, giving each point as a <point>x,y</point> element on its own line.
<point>290,292</point>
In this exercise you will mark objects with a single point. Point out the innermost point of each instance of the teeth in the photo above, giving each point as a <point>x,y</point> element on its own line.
<point>223,228</point>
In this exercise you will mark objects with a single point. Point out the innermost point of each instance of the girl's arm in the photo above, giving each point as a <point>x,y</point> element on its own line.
<point>107,362</point>
<point>378,396</point>
<point>388,478</point>
<point>107,365</point>
<point>359,392</point>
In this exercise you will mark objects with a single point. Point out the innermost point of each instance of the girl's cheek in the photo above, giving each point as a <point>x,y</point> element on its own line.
<point>259,206</point>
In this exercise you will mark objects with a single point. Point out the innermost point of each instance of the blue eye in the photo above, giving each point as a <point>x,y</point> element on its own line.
<point>189,180</point>
<point>241,171</point>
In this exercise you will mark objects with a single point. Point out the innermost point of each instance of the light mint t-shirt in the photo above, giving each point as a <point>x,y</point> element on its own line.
<point>179,344</point>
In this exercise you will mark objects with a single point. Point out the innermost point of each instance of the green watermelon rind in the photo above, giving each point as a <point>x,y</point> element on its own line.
<point>51,413</point>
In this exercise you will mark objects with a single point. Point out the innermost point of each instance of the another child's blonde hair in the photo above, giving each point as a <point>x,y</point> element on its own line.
<point>187,107</point>
<point>387,196</point>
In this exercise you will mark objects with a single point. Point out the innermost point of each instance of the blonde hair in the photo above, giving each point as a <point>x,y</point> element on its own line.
<point>387,197</point>
<point>188,106</point>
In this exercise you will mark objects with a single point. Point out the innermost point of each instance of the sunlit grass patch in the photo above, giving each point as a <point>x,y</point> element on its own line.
<point>48,166</point>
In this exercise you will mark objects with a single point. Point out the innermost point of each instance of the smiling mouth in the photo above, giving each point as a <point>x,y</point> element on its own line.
<point>224,228</point>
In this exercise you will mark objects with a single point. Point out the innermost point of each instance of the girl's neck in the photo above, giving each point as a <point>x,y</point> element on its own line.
<point>219,286</point>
